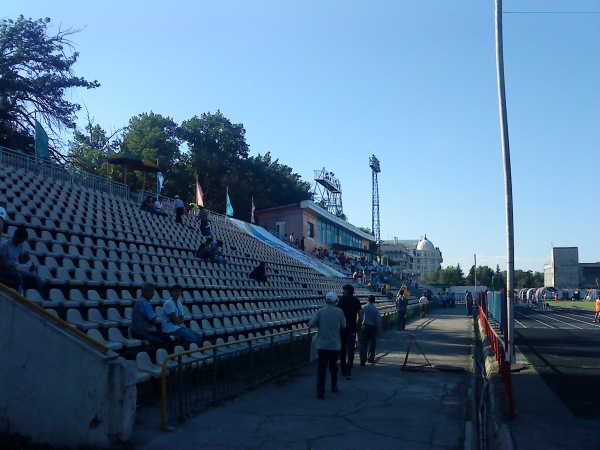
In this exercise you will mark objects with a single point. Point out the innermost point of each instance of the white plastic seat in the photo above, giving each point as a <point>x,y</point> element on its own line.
<point>97,336</point>
<point>115,335</point>
<point>161,355</point>
<point>114,315</point>
<point>144,364</point>
<point>75,319</point>
<point>95,317</point>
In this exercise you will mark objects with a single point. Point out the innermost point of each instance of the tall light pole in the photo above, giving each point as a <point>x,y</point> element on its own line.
<point>508,198</point>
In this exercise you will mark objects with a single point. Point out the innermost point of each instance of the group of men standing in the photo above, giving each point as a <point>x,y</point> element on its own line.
<point>339,323</point>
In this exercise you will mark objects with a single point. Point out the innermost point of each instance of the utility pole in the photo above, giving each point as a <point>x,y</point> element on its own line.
<point>508,198</point>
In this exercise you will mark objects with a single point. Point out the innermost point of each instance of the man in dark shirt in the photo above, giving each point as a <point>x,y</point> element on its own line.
<point>353,313</point>
<point>143,320</point>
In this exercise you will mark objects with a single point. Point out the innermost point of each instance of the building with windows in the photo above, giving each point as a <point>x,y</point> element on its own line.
<point>416,257</point>
<point>319,228</point>
<point>566,272</point>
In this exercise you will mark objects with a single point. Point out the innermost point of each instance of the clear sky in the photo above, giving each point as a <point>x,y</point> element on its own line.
<point>327,83</point>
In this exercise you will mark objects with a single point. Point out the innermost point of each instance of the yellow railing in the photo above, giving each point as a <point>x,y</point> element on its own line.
<point>57,320</point>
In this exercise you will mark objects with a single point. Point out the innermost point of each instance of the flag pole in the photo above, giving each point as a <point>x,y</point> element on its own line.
<point>226,203</point>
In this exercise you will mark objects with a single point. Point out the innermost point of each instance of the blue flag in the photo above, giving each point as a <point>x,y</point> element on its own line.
<point>159,182</point>
<point>229,207</point>
<point>41,142</point>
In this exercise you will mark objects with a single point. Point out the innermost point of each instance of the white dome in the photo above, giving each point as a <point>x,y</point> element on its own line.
<point>425,245</point>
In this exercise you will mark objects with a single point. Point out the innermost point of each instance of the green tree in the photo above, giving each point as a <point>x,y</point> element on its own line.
<point>89,148</point>
<point>365,230</point>
<point>154,137</point>
<point>484,276</point>
<point>35,76</point>
<point>451,275</point>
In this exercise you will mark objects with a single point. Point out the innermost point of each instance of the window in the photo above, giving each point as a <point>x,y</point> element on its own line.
<point>311,229</point>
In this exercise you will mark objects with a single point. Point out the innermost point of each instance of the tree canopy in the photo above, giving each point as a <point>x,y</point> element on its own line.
<point>35,76</point>
<point>454,276</point>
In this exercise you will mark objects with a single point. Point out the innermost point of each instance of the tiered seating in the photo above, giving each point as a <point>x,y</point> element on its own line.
<point>95,250</point>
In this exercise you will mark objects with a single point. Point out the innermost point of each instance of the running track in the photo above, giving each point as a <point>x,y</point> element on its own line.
<point>563,345</point>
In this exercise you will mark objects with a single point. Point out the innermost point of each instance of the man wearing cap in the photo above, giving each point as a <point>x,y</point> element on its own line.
<point>330,321</point>
<point>178,206</point>
<point>11,254</point>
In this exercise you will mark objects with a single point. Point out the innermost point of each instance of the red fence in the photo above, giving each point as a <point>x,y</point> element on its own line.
<point>500,354</point>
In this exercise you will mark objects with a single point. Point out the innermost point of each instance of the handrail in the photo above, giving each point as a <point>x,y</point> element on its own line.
<point>163,373</point>
<point>57,320</point>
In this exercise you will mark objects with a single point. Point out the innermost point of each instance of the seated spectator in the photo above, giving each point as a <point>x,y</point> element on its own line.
<point>158,207</point>
<point>143,320</point>
<point>12,253</point>
<point>202,252</point>
<point>259,273</point>
<point>214,253</point>
<point>172,318</point>
<point>204,226</point>
<point>2,219</point>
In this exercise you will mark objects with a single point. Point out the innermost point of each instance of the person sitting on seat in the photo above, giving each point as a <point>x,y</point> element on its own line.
<point>259,273</point>
<point>204,226</point>
<point>214,252</point>
<point>13,253</point>
<point>202,252</point>
<point>172,318</point>
<point>143,320</point>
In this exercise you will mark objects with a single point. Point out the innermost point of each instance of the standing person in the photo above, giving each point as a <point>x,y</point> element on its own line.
<point>302,244</point>
<point>353,313</point>
<point>172,318</point>
<point>291,240</point>
<point>12,253</point>
<point>423,302</point>
<point>597,316</point>
<point>401,308</point>
<point>330,321</point>
<point>178,206</point>
<point>469,300</point>
<point>371,328</point>
<point>204,226</point>
<point>143,320</point>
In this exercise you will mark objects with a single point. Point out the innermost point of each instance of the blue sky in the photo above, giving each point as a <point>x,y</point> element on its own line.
<point>327,83</point>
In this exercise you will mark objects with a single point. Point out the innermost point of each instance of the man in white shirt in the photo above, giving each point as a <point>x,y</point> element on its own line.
<point>423,302</point>
<point>172,318</point>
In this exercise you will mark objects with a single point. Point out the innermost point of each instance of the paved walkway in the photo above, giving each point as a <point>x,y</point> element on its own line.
<point>382,407</point>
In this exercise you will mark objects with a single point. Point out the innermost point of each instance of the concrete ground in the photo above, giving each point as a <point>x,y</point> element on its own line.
<point>382,407</point>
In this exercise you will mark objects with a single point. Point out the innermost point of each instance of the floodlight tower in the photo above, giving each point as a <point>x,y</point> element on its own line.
<point>375,169</point>
<point>328,192</point>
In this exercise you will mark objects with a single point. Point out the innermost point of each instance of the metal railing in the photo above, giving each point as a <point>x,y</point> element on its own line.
<point>195,379</point>
<point>499,350</point>
<point>167,205</point>
<point>49,169</point>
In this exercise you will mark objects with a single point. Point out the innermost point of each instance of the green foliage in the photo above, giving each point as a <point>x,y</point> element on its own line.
<point>220,156</point>
<point>88,149</point>
<point>451,275</point>
<point>365,230</point>
<point>154,137</point>
<point>35,76</point>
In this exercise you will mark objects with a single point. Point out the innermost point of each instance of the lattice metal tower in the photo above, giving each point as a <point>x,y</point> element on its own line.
<point>328,192</point>
<point>375,169</point>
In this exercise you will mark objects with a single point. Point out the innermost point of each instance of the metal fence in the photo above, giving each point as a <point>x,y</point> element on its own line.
<point>52,170</point>
<point>195,379</point>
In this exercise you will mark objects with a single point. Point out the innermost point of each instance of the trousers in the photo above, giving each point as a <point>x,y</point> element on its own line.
<point>188,335</point>
<point>401,320</point>
<point>21,280</point>
<point>327,358</point>
<point>368,342</point>
<point>347,352</point>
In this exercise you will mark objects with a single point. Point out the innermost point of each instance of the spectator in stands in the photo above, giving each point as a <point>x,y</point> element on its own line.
<point>259,273</point>
<point>423,302</point>
<point>194,209</point>
<point>12,253</point>
<point>371,327</point>
<point>158,205</point>
<point>215,254</point>
<point>291,238</point>
<point>353,313</point>
<point>143,320</point>
<point>178,206</point>
<point>202,252</point>
<point>302,247</point>
<point>330,321</point>
<point>401,308</point>
<point>172,318</point>
<point>343,260</point>
<point>204,226</point>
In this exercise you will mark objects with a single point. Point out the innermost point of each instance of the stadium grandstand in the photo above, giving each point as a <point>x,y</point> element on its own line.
<point>93,249</point>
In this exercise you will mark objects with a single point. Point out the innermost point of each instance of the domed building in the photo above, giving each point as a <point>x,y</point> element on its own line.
<point>415,257</point>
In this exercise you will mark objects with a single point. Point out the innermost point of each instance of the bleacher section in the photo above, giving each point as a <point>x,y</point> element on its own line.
<point>94,250</point>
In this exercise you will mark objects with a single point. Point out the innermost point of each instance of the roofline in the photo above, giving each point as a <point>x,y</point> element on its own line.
<point>307,204</point>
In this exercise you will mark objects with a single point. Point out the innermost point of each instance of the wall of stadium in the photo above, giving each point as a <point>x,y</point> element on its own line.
<point>58,388</point>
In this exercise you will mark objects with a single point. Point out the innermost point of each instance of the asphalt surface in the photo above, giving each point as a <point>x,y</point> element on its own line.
<point>563,345</point>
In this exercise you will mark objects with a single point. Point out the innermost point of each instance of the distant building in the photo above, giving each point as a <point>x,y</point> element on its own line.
<point>319,227</point>
<point>566,272</point>
<point>417,257</point>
